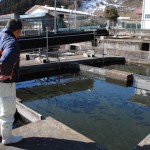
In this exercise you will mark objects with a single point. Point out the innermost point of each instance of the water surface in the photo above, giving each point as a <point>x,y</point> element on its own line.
<point>102,111</point>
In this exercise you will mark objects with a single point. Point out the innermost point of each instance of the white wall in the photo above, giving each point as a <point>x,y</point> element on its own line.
<point>146,14</point>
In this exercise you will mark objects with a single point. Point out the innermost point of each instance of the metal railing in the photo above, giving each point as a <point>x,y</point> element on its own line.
<point>37,26</point>
<point>52,48</point>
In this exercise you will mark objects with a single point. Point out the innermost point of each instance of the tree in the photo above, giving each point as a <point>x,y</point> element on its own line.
<point>111,13</point>
<point>21,6</point>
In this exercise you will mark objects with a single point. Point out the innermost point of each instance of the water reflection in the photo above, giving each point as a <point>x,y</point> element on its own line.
<point>109,80</point>
<point>49,87</point>
<point>130,67</point>
<point>142,90</point>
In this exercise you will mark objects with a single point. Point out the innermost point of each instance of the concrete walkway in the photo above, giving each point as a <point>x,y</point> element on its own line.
<point>36,66</point>
<point>50,134</point>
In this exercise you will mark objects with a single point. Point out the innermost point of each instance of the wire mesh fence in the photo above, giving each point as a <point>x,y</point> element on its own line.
<point>38,26</point>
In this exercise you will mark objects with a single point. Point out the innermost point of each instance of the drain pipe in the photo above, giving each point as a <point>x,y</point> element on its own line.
<point>102,39</point>
<point>47,44</point>
<point>58,57</point>
<point>94,42</point>
<point>55,19</point>
<point>59,61</point>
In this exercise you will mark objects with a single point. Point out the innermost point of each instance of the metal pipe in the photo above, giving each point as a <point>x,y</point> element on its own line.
<point>103,52</point>
<point>94,42</point>
<point>143,15</point>
<point>47,43</point>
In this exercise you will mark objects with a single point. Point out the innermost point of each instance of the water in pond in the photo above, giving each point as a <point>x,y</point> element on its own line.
<point>102,111</point>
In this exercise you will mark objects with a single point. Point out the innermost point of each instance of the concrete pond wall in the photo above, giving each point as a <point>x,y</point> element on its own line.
<point>133,32</point>
<point>128,48</point>
<point>125,44</point>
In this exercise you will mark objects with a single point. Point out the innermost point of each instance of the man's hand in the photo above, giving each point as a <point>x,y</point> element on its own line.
<point>3,77</point>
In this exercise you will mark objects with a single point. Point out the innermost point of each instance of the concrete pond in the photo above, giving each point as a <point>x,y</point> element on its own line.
<point>96,107</point>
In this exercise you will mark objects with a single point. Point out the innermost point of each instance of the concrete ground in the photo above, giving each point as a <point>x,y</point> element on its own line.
<point>50,134</point>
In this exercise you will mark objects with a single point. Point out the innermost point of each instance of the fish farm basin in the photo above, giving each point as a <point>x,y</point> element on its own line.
<point>105,112</point>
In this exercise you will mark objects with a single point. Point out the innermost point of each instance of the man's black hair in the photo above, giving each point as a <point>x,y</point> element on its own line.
<point>14,24</point>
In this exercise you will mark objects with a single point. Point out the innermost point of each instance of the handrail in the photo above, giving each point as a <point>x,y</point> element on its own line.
<point>54,40</point>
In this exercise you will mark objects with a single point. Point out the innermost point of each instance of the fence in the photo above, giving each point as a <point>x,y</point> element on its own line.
<point>132,24</point>
<point>37,26</point>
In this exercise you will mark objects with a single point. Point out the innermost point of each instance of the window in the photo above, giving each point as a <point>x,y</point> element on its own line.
<point>145,47</point>
<point>147,16</point>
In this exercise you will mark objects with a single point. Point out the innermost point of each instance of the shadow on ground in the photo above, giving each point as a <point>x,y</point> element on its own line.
<point>145,147</point>
<point>42,143</point>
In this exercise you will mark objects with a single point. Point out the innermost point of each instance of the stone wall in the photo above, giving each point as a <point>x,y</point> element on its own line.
<point>129,48</point>
<point>139,32</point>
<point>120,44</point>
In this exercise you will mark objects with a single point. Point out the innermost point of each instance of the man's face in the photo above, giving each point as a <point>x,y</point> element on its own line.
<point>17,33</point>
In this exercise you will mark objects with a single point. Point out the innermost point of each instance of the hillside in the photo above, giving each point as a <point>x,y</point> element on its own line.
<point>101,4</point>
<point>133,3</point>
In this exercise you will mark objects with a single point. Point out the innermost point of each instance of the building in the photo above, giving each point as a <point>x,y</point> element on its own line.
<point>44,16</point>
<point>39,22</point>
<point>146,15</point>
<point>39,18</point>
<point>67,15</point>
<point>5,18</point>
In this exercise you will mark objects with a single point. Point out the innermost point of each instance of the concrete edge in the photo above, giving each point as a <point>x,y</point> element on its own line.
<point>96,70</point>
<point>108,73</point>
<point>66,128</point>
<point>119,75</point>
<point>144,144</point>
<point>145,141</point>
<point>28,113</point>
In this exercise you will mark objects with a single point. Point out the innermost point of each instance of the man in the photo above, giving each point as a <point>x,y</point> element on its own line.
<point>9,64</point>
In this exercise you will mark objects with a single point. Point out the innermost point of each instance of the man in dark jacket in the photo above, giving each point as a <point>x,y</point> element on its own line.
<point>9,64</point>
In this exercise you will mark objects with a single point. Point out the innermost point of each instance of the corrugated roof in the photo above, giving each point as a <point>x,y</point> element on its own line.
<point>33,15</point>
<point>59,10</point>
<point>66,10</point>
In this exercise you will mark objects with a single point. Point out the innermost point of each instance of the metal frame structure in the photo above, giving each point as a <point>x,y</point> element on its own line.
<point>54,39</point>
<point>43,43</point>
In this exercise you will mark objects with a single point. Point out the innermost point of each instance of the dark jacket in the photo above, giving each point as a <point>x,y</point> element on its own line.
<point>9,57</point>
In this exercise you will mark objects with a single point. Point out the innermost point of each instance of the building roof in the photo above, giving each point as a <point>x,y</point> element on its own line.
<point>37,15</point>
<point>8,16</point>
<point>48,9</point>
<point>123,18</point>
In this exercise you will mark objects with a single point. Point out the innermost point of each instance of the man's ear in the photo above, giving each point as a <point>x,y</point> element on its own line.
<point>17,33</point>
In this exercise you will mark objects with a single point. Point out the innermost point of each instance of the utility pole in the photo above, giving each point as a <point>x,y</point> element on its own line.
<point>55,19</point>
<point>143,15</point>
<point>75,3</point>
